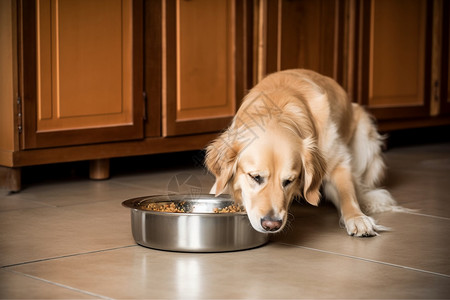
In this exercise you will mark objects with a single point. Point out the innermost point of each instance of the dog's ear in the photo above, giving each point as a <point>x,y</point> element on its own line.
<point>220,160</point>
<point>314,168</point>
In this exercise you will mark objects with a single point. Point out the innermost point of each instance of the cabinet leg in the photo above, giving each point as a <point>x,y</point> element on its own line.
<point>11,178</point>
<point>99,169</point>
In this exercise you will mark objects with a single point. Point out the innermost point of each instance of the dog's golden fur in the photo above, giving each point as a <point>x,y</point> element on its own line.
<point>295,132</point>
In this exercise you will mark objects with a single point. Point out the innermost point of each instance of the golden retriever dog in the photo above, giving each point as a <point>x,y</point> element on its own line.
<point>295,132</point>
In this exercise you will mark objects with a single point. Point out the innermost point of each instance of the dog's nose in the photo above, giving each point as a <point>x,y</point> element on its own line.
<point>270,224</point>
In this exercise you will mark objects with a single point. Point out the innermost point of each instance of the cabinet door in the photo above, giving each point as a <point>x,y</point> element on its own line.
<point>81,70</point>
<point>297,34</point>
<point>395,57</point>
<point>204,64</point>
<point>444,82</point>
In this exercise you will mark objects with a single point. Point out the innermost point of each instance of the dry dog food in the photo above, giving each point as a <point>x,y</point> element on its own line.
<point>174,208</point>
<point>164,207</point>
<point>233,208</point>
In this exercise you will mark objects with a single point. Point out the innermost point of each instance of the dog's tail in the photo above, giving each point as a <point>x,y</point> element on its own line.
<point>378,200</point>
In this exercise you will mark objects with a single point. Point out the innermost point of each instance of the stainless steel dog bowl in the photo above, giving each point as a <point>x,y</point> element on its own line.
<point>198,229</point>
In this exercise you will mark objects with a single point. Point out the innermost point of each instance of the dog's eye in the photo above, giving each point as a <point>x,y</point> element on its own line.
<point>286,182</point>
<point>257,178</point>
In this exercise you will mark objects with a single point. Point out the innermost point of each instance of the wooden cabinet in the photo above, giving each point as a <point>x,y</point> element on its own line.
<point>97,79</point>
<point>398,60</point>
<point>83,69</point>
<point>390,55</point>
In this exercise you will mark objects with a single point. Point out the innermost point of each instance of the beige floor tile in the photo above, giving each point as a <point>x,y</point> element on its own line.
<point>418,177</point>
<point>17,286</point>
<point>80,191</point>
<point>72,239</point>
<point>425,193</point>
<point>42,233</point>
<point>415,241</point>
<point>272,271</point>
<point>173,181</point>
<point>13,201</point>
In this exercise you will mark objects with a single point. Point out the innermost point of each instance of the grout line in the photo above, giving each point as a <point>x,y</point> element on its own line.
<point>61,285</point>
<point>66,256</point>
<point>367,259</point>
<point>426,215</point>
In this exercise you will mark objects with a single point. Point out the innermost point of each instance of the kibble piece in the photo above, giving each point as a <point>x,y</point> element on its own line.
<point>173,208</point>
<point>233,208</point>
<point>164,207</point>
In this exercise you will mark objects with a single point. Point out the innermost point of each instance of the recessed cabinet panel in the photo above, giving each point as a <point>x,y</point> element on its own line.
<point>297,34</point>
<point>204,59</point>
<point>81,72</point>
<point>204,63</point>
<point>84,64</point>
<point>397,53</point>
<point>307,35</point>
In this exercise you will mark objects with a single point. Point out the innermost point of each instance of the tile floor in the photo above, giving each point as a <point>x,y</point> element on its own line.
<point>66,237</point>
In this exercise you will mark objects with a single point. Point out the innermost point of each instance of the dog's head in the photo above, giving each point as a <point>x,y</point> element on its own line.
<point>264,167</point>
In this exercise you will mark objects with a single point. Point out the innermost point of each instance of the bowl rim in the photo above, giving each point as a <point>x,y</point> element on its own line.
<point>134,203</point>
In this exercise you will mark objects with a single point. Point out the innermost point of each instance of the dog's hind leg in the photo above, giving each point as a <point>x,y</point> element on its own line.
<point>368,166</point>
<point>365,147</point>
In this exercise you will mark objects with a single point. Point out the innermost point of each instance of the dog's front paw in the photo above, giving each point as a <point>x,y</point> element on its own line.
<point>363,226</point>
